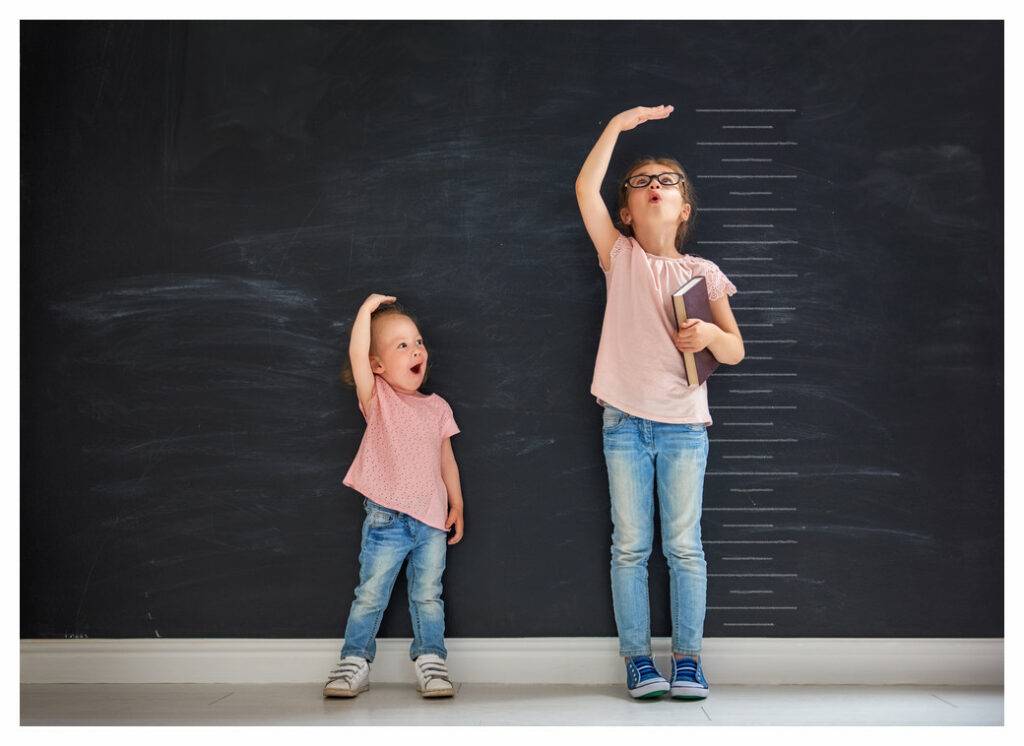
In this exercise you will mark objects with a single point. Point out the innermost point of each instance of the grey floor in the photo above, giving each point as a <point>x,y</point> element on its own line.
<point>497,704</point>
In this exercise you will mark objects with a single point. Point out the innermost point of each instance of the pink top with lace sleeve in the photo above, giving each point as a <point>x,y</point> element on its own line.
<point>398,464</point>
<point>638,368</point>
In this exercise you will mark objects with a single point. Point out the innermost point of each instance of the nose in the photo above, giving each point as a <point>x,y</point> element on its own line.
<point>655,184</point>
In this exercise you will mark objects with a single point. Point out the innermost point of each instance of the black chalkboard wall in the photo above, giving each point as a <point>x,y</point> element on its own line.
<point>204,206</point>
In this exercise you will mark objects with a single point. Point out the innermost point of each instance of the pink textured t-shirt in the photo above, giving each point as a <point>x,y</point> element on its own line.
<point>398,464</point>
<point>638,368</point>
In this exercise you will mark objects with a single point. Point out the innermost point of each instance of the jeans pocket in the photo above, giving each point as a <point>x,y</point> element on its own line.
<point>613,419</point>
<point>377,515</point>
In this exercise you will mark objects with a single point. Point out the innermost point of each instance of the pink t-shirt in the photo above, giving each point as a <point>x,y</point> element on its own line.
<point>638,368</point>
<point>399,460</point>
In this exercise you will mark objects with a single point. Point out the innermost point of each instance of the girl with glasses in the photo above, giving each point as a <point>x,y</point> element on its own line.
<point>654,423</point>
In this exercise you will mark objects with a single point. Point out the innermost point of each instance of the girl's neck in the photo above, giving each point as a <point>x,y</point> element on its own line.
<point>657,240</point>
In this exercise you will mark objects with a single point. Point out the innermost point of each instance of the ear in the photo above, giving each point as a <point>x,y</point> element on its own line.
<point>685,212</point>
<point>376,364</point>
<point>624,216</point>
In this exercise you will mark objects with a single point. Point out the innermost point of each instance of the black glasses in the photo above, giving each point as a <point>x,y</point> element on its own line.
<point>669,178</point>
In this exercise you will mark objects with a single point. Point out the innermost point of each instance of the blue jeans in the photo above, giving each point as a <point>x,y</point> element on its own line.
<point>636,451</point>
<point>389,537</point>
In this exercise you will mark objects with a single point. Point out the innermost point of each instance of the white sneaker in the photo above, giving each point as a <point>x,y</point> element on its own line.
<point>433,678</point>
<point>350,677</point>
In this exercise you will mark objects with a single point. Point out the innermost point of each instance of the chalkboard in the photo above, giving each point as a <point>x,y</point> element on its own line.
<point>205,205</point>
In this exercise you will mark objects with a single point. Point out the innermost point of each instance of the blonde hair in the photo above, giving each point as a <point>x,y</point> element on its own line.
<point>685,231</point>
<point>383,311</point>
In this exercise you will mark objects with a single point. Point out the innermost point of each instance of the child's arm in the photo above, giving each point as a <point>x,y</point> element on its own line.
<point>450,475</point>
<point>588,184</point>
<point>359,349</point>
<point>723,337</point>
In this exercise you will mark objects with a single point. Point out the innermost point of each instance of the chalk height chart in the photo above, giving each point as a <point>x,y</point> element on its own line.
<point>746,173</point>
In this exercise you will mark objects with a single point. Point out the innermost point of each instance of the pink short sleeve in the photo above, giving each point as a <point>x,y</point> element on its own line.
<point>718,284</point>
<point>448,426</point>
<point>621,244</point>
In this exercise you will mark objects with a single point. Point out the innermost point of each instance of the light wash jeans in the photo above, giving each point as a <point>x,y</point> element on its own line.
<point>638,451</point>
<point>389,537</point>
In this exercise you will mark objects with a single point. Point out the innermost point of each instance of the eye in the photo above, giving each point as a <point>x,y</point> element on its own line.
<point>401,345</point>
<point>419,342</point>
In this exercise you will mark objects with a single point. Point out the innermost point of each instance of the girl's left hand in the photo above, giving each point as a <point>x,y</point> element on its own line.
<point>454,519</point>
<point>693,336</point>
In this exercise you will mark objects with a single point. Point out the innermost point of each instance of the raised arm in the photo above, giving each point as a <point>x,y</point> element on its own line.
<point>588,184</point>
<point>359,349</point>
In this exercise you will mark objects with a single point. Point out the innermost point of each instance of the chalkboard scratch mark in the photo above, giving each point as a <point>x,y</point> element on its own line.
<point>88,577</point>
<point>163,441</point>
<point>533,446</point>
<point>704,711</point>
<point>288,246</point>
<point>103,77</point>
<point>847,530</point>
<point>131,42</point>
<point>576,469</point>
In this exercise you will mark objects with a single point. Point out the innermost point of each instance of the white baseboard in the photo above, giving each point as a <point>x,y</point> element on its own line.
<point>550,660</point>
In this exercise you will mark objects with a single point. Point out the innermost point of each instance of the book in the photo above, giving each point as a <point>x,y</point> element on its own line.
<point>691,302</point>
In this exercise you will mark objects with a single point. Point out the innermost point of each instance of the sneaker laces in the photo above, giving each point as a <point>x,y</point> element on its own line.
<point>346,671</point>
<point>645,666</point>
<point>685,668</point>
<point>432,670</point>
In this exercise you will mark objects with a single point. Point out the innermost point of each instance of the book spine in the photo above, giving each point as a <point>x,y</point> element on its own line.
<point>689,361</point>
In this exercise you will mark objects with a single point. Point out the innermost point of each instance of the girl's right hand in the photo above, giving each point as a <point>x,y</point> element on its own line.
<point>376,300</point>
<point>630,118</point>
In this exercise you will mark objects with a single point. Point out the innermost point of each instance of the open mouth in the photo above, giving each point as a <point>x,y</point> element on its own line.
<point>655,197</point>
<point>416,368</point>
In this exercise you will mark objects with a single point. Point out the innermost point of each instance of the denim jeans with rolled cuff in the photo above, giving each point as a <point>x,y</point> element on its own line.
<point>639,452</point>
<point>389,538</point>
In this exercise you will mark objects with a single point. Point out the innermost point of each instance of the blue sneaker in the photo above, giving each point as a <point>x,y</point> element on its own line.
<point>643,679</point>
<point>688,680</point>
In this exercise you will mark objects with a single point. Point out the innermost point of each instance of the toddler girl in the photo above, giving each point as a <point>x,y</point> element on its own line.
<point>406,470</point>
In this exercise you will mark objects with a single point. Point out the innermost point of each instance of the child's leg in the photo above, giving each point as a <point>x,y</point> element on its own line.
<point>386,543</point>
<point>682,454</point>
<point>630,463</point>
<point>426,565</point>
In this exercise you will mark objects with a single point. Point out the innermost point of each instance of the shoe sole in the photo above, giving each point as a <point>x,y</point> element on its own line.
<point>345,694</point>
<point>651,695</point>
<point>690,694</point>
<point>649,691</point>
<point>437,694</point>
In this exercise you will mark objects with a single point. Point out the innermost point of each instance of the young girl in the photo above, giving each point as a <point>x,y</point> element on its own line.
<point>406,469</point>
<point>654,423</point>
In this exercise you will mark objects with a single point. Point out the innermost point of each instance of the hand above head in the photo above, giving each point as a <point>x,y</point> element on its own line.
<point>376,300</point>
<point>630,118</point>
